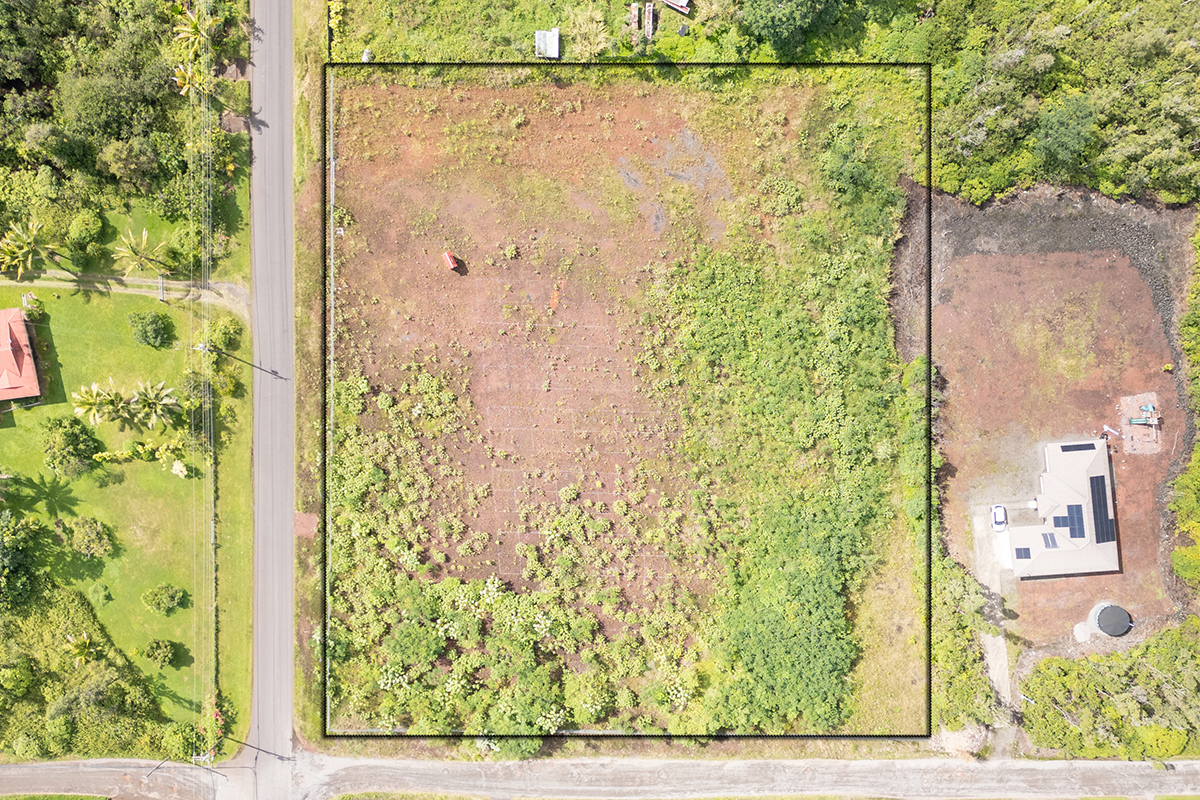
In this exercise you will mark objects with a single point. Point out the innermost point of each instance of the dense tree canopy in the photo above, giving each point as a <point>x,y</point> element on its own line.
<point>786,23</point>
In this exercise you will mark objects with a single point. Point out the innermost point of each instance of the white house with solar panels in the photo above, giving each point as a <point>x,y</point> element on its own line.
<point>1078,532</point>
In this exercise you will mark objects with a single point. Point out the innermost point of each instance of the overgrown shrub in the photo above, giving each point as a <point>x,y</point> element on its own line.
<point>162,599</point>
<point>160,652</point>
<point>152,328</point>
<point>1142,703</point>
<point>85,229</point>
<point>99,594</point>
<point>90,537</point>
<point>69,444</point>
<point>16,563</point>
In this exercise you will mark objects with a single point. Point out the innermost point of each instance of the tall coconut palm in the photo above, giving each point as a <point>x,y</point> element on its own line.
<point>94,402</point>
<point>154,403</point>
<point>194,31</point>
<point>21,248</point>
<point>137,254</point>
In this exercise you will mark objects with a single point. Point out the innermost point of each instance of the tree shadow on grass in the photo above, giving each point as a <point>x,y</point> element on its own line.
<point>65,564</point>
<point>53,494</point>
<point>46,357</point>
<point>159,688</point>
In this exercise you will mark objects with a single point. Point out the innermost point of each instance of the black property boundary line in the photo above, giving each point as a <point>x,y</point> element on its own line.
<point>327,69</point>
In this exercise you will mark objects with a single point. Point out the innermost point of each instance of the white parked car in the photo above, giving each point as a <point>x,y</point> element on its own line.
<point>999,518</point>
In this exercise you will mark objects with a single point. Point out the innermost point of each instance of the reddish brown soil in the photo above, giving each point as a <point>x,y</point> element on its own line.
<point>596,190</point>
<point>1049,307</point>
<point>998,379</point>
<point>306,525</point>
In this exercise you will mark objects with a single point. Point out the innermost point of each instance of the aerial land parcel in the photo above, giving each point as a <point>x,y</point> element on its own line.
<point>646,460</point>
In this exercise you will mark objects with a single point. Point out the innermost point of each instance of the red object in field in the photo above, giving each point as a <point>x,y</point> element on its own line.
<point>451,261</point>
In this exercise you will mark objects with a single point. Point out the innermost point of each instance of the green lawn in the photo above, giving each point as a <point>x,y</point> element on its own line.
<point>157,517</point>
<point>235,557</point>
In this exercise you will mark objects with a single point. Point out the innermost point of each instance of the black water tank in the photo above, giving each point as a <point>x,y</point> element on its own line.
<point>1114,621</point>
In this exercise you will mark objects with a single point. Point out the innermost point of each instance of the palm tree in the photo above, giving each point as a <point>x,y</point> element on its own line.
<point>193,31</point>
<point>82,648</point>
<point>21,247</point>
<point>94,402</point>
<point>189,79</point>
<point>140,255</point>
<point>153,404</point>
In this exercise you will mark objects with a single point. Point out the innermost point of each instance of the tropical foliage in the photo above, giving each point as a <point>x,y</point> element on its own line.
<point>91,120</point>
<point>90,537</point>
<point>160,652</point>
<point>69,444</point>
<point>152,329</point>
<point>1142,703</point>
<point>163,599</point>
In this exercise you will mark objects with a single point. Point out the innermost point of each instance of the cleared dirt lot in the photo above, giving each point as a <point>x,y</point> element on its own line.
<point>544,310</point>
<point>569,211</point>
<point>1048,309</point>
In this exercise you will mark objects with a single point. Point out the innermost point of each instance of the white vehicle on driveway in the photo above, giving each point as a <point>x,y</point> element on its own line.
<point>999,518</point>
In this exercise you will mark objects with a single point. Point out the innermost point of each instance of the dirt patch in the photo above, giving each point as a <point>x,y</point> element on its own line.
<point>910,274</point>
<point>564,223</point>
<point>306,525</point>
<point>1047,310</point>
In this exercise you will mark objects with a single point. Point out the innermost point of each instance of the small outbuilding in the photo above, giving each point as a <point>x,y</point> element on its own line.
<point>545,43</point>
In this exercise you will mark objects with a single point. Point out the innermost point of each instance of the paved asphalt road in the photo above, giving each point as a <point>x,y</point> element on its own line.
<point>322,778</point>
<point>269,747</point>
<point>621,779</point>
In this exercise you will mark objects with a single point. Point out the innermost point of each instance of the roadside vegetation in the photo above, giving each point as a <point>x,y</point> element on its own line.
<point>110,632</point>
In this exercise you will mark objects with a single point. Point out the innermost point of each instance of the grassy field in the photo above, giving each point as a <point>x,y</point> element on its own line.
<point>234,211</point>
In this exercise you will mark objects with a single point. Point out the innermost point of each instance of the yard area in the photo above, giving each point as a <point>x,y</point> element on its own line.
<point>159,520</point>
<point>1040,328</point>
<point>611,455</point>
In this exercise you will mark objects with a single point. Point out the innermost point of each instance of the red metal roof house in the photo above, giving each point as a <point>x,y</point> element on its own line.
<point>18,373</point>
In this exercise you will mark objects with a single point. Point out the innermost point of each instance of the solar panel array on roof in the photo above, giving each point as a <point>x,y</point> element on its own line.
<point>1073,521</point>
<point>1075,448</point>
<point>1050,542</point>
<point>1106,529</point>
<point>1022,552</point>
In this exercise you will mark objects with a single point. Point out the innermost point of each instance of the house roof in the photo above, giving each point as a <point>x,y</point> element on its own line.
<point>1077,534</point>
<point>18,373</point>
